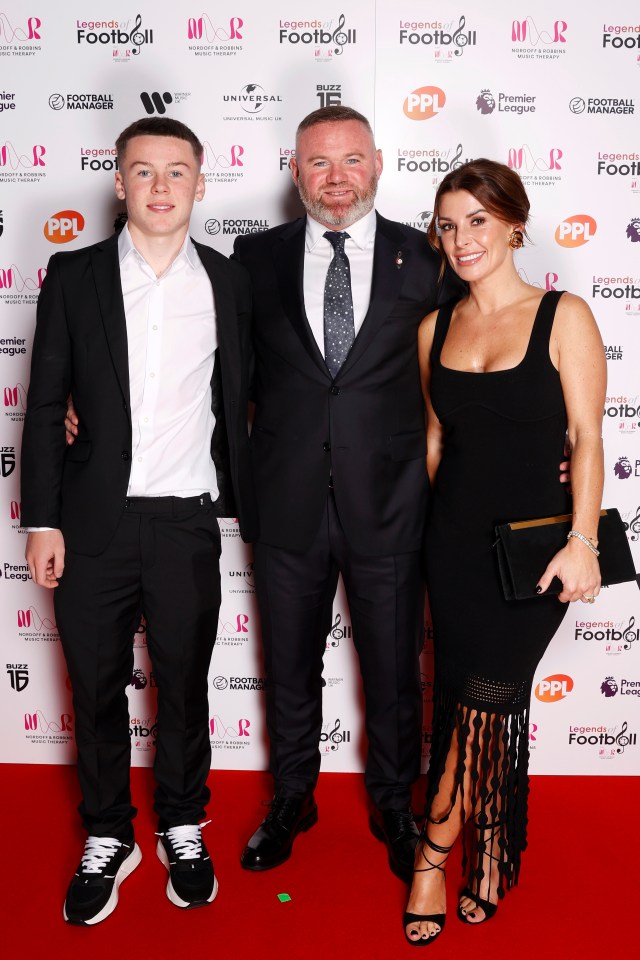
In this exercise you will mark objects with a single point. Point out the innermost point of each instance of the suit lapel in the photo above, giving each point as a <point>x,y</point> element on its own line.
<point>386,284</point>
<point>289,266</point>
<point>106,273</point>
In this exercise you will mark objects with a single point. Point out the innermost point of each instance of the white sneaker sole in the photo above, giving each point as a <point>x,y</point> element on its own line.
<point>171,893</point>
<point>126,868</point>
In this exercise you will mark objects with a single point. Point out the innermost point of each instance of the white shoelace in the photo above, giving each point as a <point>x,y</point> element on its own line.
<point>98,851</point>
<point>186,840</point>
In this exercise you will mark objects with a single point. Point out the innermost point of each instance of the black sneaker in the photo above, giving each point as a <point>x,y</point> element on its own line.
<point>192,882</point>
<point>93,892</point>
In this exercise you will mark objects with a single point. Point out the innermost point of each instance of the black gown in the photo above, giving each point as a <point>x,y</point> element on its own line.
<point>504,435</point>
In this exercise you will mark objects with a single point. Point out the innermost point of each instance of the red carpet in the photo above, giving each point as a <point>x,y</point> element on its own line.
<point>576,898</point>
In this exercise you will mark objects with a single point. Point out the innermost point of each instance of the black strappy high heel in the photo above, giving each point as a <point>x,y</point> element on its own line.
<point>438,918</point>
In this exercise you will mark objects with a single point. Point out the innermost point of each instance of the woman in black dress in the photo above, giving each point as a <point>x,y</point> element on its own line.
<point>508,372</point>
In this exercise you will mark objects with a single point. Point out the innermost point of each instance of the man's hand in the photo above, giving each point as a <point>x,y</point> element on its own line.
<point>71,423</point>
<point>45,556</point>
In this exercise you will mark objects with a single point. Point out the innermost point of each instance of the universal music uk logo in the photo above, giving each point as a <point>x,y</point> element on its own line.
<point>18,675</point>
<point>223,40</point>
<point>254,101</point>
<point>243,580</point>
<point>16,37</point>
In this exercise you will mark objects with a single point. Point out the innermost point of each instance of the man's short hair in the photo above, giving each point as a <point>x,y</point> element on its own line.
<point>158,127</point>
<point>332,115</point>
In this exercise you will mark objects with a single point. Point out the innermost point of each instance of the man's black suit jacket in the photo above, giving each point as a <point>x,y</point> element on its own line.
<point>80,348</point>
<point>366,429</point>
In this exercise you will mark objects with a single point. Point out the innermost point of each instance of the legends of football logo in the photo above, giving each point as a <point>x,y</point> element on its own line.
<point>124,38</point>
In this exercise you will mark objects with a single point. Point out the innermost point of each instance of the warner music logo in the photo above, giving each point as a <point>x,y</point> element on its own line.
<point>333,737</point>
<point>233,632</point>
<point>15,402</point>
<point>16,37</point>
<point>40,729</point>
<point>158,102</point>
<point>616,638</point>
<point>538,40</point>
<point>254,101</point>
<point>339,631</point>
<point>81,101</point>
<point>327,37</point>
<point>36,626</point>
<point>235,227</point>
<point>611,742</point>
<point>18,675</point>
<point>19,167</point>
<point>226,166</point>
<point>444,38</point>
<point>125,38</point>
<point>229,736</point>
<point>223,40</point>
<point>18,288</point>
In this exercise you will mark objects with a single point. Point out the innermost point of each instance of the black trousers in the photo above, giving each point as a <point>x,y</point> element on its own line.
<point>163,562</point>
<point>295,595</point>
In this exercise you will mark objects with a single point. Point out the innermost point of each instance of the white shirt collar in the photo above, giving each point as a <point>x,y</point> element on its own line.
<point>126,248</point>
<point>362,232</point>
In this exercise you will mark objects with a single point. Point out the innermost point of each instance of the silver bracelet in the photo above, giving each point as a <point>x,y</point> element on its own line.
<point>585,540</point>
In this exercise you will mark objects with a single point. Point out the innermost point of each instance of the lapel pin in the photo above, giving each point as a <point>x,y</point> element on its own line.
<point>399,259</point>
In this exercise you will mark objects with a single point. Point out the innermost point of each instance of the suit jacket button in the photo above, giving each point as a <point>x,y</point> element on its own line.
<point>125,455</point>
<point>334,390</point>
<point>326,446</point>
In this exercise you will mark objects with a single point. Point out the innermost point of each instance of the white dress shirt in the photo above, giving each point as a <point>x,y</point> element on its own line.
<point>318,253</point>
<point>172,337</point>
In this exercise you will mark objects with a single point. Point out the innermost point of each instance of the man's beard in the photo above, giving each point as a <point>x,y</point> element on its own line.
<point>339,215</point>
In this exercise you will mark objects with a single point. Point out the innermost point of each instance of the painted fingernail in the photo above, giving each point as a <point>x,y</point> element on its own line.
<point>538,589</point>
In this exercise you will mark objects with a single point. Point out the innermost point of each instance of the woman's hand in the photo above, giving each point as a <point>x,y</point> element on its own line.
<point>578,569</point>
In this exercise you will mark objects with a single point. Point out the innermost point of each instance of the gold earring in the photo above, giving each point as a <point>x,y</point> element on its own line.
<point>516,239</point>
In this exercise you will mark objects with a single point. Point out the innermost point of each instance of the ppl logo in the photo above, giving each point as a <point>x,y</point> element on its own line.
<point>608,687</point>
<point>11,34</point>
<point>622,468</point>
<point>201,28</point>
<point>63,227</point>
<point>9,156</point>
<point>485,102</point>
<point>554,688</point>
<point>424,103</point>
<point>527,32</point>
<point>633,230</point>
<point>576,231</point>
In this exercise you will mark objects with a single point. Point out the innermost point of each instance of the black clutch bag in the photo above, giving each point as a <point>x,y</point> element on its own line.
<point>525,548</point>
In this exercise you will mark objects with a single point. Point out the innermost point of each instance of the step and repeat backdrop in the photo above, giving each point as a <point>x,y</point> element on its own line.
<point>552,89</point>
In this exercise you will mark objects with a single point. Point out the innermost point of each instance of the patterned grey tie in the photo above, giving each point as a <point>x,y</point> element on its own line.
<point>339,331</point>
